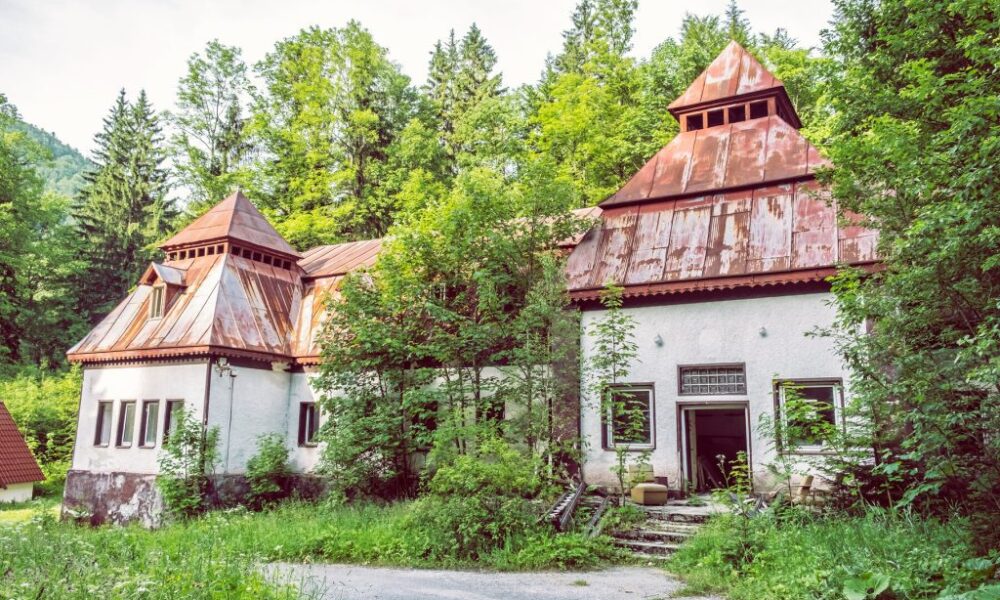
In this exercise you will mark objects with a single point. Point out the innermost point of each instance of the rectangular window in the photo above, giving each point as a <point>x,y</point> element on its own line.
<point>716,118</point>
<point>808,410</point>
<point>628,418</point>
<point>156,302</point>
<point>147,426</point>
<point>694,122</point>
<point>737,113</point>
<point>126,424</point>
<point>102,434</point>
<point>172,413</point>
<point>713,380</point>
<point>758,109</point>
<point>308,423</point>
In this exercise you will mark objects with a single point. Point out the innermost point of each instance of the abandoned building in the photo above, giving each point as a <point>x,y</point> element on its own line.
<point>722,242</point>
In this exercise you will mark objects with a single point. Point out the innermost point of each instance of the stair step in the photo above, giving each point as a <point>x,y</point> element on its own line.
<point>647,547</point>
<point>654,535</point>
<point>654,558</point>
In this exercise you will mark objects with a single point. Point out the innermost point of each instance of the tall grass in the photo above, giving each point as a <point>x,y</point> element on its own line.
<point>818,557</point>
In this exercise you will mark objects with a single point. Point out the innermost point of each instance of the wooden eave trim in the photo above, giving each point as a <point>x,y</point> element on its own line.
<point>172,353</point>
<point>729,282</point>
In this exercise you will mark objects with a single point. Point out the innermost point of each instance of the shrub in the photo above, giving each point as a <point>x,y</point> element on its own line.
<point>267,471</point>
<point>187,458</point>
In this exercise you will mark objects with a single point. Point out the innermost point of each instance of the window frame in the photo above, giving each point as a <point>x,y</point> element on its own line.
<point>839,420</point>
<point>157,301</point>
<point>123,408</point>
<point>103,423</point>
<point>607,419</point>
<point>731,365</point>
<point>305,410</point>
<point>144,423</point>
<point>169,408</point>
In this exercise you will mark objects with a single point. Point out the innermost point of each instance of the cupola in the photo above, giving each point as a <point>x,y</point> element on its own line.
<point>734,88</point>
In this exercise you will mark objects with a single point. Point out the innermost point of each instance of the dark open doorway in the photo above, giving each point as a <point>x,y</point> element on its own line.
<point>711,433</point>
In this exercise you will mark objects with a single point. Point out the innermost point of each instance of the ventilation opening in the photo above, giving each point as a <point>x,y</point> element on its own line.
<point>737,113</point>
<point>758,109</point>
<point>694,122</point>
<point>211,250</point>
<point>716,117</point>
<point>267,259</point>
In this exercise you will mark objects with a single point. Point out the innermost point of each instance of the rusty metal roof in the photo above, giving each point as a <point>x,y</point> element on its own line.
<point>338,259</point>
<point>235,218</point>
<point>230,302</point>
<point>748,153</point>
<point>734,72</point>
<point>17,464</point>
<point>726,206</point>
<point>788,228</point>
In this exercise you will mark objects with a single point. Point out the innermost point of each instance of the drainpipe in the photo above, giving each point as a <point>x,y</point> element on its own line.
<point>229,426</point>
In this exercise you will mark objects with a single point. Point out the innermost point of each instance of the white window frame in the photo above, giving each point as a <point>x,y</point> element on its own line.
<point>123,424</point>
<point>145,424</point>
<point>105,423</point>
<point>608,421</point>
<point>308,420</point>
<point>838,413</point>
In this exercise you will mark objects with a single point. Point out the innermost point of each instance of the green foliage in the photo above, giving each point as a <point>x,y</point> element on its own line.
<point>187,459</point>
<point>63,168</point>
<point>213,557</point>
<point>622,518</point>
<point>268,470</point>
<point>123,208</point>
<point>211,144</point>
<point>44,407</point>
<point>833,558</point>
<point>914,141</point>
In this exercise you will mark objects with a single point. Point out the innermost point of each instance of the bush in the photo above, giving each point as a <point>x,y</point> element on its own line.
<point>267,471</point>
<point>829,557</point>
<point>187,458</point>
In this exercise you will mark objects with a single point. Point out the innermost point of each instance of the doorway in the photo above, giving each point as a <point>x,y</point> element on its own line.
<point>712,437</point>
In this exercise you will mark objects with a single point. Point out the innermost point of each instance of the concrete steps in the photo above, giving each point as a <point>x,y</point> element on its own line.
<point>665,529</point>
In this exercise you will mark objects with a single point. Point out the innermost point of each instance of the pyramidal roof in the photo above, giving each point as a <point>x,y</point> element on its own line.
<point>235,218</point>
<point>734,72</point>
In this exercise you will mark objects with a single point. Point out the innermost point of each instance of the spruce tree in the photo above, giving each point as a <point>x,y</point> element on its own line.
<point>122,209</point>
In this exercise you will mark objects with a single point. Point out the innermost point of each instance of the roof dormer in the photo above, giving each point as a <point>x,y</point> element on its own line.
<point>735,87</point>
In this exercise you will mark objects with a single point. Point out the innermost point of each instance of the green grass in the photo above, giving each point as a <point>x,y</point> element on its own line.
<point>24,511</point>
<point>218,556</point>
<point>813,557</point>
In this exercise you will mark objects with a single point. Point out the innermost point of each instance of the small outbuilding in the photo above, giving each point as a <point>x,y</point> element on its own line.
<point>18,469</point>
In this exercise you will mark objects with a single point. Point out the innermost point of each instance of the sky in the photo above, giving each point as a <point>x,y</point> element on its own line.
<point>63,61</point>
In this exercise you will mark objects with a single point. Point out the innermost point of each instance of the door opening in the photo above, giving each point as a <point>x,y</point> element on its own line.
<point>712,439</point>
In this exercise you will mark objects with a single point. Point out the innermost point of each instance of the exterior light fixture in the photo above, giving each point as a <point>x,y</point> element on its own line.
<point>658,341</point>
<point>763,332</point>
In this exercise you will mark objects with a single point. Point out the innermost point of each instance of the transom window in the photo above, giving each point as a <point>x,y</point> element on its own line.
<point>713,380</point>
<point>628,418</point>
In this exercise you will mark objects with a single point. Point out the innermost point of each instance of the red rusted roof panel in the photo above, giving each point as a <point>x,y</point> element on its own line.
<point>734,72</point>
<point>338,259</point>
<point>17,464</point>
<point>749,153</point>
<point>234,218</point>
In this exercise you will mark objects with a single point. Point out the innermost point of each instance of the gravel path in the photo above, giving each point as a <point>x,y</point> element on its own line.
<point>349,582</point>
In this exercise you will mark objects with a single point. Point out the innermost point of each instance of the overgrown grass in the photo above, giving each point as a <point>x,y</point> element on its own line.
<point>20,512</point>
<point>827,558</point>
<point>217,556</point>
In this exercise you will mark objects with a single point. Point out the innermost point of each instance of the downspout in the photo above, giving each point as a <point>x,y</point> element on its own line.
<point>229,426</point>
<point>208,388</point>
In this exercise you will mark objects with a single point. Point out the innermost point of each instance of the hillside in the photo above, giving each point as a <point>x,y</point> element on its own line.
<point>64,173</point>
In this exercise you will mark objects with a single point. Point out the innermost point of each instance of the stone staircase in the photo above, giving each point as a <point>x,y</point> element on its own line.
<point>665,529</point>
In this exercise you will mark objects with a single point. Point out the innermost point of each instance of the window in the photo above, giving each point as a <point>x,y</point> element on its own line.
<point>758,109</point>
<point>172,413</point>
<point>694,122</point>
<point>308,423</point>
<point>808,409</point>
<point>147,425</point>
<point>156,302</point>
<point>102,433</point>
<point>126,424</point>
<point>713,380</point>
<point>716,118</point>
<point>629,418</point>
<point>737,113</point>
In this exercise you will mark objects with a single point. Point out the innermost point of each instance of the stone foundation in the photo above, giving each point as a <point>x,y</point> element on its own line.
<point>120,498</point>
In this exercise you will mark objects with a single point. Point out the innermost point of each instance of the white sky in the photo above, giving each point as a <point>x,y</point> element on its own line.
<point>63,61</point>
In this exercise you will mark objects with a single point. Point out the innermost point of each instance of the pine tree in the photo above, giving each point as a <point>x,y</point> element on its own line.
<point>123,207</point>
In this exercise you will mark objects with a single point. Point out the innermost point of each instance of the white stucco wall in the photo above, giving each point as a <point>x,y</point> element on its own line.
<point>161,382</point>
<point>16,492</point>
<point>257,400</point>
<point>725,331</point>
<point>303,459</point>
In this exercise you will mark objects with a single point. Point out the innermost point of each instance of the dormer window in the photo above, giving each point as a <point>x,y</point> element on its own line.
<point>156,302</point>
